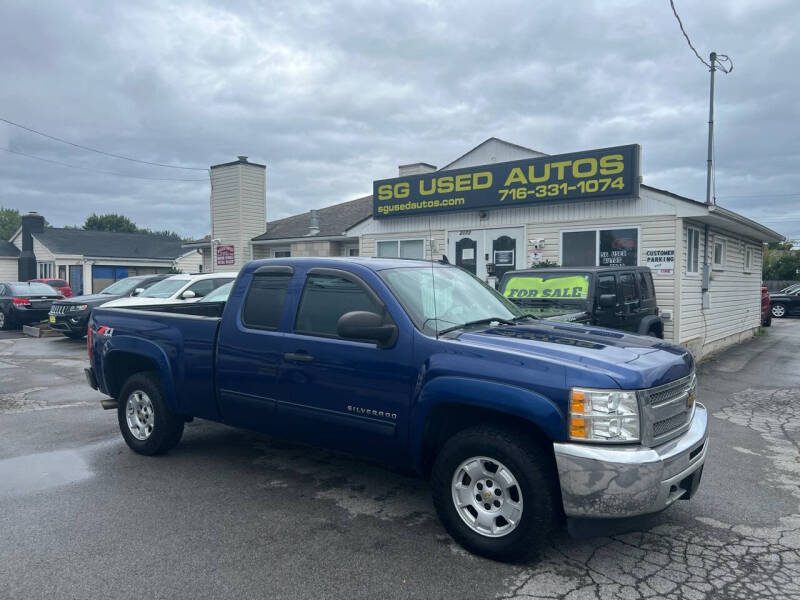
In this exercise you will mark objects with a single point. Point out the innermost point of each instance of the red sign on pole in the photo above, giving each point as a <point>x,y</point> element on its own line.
<point>225,255</point>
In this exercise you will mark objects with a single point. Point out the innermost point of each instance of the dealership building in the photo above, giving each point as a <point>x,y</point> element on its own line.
<point>502,206</point>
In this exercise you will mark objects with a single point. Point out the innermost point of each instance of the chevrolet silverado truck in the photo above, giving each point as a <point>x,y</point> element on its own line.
<point>517,422</point>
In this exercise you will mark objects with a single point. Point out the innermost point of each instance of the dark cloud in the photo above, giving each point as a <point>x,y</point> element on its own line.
<point>333,95</point>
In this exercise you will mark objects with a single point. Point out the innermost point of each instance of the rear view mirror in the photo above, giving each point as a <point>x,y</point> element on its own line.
<point>607,300</point>
<point>363,325</point>
<point>188,295</point>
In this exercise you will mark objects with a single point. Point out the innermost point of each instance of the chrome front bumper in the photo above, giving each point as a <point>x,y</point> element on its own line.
<point>625,481</point>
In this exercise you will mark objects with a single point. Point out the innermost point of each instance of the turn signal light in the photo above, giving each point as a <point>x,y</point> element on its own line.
<point>20,302</point>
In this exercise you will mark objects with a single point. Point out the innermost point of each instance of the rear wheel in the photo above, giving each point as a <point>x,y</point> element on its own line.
<point>495,492</point>
<point>5,321</point>
<point>778,311</point>
<point>146,423</point>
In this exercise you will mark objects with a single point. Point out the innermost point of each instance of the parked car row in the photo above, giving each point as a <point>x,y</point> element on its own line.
<point>785,302</point>
<point>23,303</point>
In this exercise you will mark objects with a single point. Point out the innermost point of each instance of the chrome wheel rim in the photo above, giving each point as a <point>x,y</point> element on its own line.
<point>487,496</point>
<point>2,319</point>
<point>140,415</point>
<point>778,310</point>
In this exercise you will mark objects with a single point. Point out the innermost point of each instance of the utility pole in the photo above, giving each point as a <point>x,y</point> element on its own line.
<point>713,59</point>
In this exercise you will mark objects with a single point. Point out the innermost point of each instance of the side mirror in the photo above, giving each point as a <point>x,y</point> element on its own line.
<point>607,301</point>
<point>188,295</point>
<point>137,291</point>
<point>363,325</point>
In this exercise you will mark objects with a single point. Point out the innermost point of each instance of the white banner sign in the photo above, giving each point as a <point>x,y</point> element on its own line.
<point>660,260</point>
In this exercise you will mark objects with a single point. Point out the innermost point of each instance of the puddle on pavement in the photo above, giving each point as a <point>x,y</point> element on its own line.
<point>37,472</point>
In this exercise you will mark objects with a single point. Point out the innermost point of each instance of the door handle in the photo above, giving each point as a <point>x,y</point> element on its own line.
<point>298,356</point>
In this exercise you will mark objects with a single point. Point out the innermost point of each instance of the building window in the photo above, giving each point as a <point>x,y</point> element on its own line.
<point>692,250</point>
<point>281,253</point>
<point>719,254</point>
<point>45,270</point>
<point>600,247</point>
<point>352,252</point>
<point>401,249</point>
<point>748,260</point>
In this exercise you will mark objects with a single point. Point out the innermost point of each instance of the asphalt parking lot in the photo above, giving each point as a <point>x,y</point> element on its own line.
<point>235,514</point>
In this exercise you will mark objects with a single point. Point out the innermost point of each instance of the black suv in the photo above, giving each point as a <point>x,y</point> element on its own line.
<point>616,297</point>
<point>71,316</point>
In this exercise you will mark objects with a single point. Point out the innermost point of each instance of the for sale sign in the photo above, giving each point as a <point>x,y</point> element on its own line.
<point>226,255</point>
<point>660,260</point>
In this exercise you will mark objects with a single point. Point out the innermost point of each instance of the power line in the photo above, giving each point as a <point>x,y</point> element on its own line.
<point>761,195</point>
<point>111,154</point>
<point>63,164</point>
<point>686,35</point>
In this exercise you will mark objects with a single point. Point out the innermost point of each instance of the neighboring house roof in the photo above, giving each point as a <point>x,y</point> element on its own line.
<point>203,242</point>
<point>333,221</point>
<point>7,249</point>
<point>110,244</point>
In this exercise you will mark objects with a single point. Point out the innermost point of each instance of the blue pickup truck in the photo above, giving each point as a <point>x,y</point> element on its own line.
<point>518,422</point>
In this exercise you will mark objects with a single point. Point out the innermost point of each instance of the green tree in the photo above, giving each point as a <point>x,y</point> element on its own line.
<point>110,222</point>
<point>10,221</point>
<point>781,262</point>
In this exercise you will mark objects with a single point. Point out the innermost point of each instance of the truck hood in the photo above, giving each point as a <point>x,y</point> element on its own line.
<point>91,299</point>
<point>633,361</point>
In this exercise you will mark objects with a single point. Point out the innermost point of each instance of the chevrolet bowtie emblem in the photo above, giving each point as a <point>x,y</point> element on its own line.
<point>486,495</point>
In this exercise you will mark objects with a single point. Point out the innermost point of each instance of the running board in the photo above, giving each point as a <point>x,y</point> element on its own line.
<point>109,404</point>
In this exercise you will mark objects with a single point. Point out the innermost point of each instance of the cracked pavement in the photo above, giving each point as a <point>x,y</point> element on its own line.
<point>235,514</point>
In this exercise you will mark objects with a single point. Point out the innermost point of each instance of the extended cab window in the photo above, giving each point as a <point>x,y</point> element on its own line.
<point>325,299</point>
<point>264,303</point>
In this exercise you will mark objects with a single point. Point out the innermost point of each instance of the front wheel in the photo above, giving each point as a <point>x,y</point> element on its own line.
<point>494,490</point>
<point>778,311</point>
<point>146,423</point>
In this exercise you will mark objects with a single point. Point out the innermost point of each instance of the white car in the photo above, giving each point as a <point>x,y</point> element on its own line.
<point>178,288</point>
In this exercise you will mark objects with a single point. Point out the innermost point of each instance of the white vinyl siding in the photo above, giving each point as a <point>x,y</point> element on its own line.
<point>9,269</point>
<point>734,294</point>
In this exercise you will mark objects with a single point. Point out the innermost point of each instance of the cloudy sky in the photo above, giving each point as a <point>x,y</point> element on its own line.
<point>331,95</point>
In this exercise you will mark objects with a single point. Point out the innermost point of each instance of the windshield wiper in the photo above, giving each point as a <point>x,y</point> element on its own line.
<point>479,322</point>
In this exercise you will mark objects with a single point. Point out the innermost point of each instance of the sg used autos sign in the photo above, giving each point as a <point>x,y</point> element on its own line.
<point>580,175</point>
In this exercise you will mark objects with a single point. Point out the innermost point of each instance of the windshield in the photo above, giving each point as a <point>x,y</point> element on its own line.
<point>33,289</point>
<point>548,294</point>
<point>460,297</point>
<point>123,286</point>
<point>165,288</point>
<point>220,294</point>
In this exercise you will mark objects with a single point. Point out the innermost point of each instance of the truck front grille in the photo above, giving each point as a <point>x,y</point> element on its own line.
<point>668,409</point>
<point>59,309</point>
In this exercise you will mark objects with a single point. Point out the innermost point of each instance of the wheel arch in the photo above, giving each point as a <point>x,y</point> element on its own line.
<point>652,322</point>
<point>447,407</point>
<point>123,361</point>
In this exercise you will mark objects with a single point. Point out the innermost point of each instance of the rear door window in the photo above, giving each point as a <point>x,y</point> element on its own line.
<point>263,306</point>
<point>326,298</point>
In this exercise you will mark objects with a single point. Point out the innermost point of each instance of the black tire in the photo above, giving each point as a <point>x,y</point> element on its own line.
<point>167,427</point>
<point>778,308</point>
<point>7,321</point>
<point>534,472</point>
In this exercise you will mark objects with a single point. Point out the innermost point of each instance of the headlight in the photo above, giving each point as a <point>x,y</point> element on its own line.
<point>78,307</point>
<point>603,415</point>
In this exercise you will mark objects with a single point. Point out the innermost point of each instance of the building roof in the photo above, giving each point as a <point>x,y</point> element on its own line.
<point>333,221</point>
<point>242,160</point>
<point>8,250</point>
<point>110,244</point>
